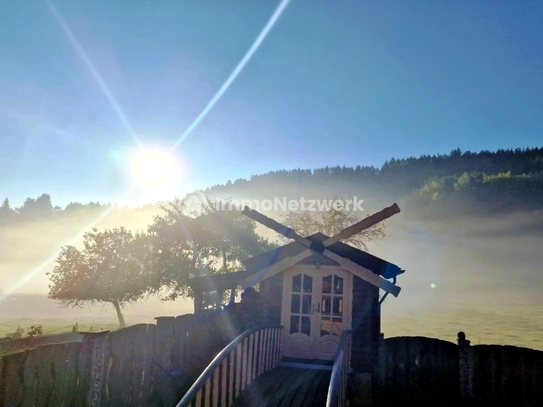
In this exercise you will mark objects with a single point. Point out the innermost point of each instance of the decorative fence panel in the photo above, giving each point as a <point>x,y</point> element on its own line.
<point>142,365</point>
<point>45,376</point>
<point>128,366</point>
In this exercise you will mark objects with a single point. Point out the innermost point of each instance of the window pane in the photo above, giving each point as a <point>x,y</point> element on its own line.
<point>306,326</point>
<point>295,304</point>
<point>308,284</point>
<point>338,306</point>
<point>338,285</point>
<point>327,285</point>
<point>294,324</point>
<point>326,306</point>
<point>296,283</point>
<point>306,304</point>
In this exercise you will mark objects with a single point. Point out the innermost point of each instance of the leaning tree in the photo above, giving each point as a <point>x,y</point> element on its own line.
<point>110,268</point>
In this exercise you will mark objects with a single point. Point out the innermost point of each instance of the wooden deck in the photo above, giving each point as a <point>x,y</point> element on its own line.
<point>287,387</point>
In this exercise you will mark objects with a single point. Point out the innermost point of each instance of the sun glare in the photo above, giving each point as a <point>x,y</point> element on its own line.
<point>152,168</point>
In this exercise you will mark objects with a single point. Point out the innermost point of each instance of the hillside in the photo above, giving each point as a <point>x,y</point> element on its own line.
<point>462,182</point>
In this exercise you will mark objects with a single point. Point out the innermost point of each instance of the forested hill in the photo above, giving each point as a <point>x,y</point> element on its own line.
<point>459,182</point>
<point>504,180</point>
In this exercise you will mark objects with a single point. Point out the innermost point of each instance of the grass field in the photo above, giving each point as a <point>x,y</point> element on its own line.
<point>26,310</point>
<point>51,326</point>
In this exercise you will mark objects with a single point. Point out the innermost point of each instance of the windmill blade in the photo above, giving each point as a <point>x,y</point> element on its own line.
<point>275,268</point>
<point>347,264</point>
<point>276,226</point>
<point>344,234</point>
<point>365,223</point>
<point>363,273</point>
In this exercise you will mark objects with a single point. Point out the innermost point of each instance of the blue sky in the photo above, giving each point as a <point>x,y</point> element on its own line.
<point>84,84</point>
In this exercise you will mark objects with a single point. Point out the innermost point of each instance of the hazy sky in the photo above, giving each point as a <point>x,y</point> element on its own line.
<point>85,84</point>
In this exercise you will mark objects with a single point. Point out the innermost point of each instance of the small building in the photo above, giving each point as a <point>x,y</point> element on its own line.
<point>315,299</point>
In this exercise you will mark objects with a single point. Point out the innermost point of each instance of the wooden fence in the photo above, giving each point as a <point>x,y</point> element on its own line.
<point>154,365</point>
<point>419,363</point>
<point>498,374</point>
<point>506,374</point>
<point>142,365</point>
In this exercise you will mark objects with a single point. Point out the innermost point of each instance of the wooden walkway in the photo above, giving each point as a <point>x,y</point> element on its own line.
<point>287,387</point>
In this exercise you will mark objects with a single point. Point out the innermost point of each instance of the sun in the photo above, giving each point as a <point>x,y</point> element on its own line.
<point>152,168</point>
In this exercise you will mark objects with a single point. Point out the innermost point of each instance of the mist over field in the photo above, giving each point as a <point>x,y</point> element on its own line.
<point>25,310</point>
<point>29,249</point>
<point>469,266</point>
<point>487,275</point>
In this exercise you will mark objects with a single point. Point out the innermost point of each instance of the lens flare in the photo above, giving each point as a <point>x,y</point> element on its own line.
<point>152,168</point>
<point>98,79</point>
<point>248,55</point>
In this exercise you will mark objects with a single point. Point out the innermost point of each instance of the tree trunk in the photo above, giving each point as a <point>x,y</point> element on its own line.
<point>117,306</point>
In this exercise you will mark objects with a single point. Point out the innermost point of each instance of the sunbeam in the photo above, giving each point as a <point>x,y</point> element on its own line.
<point>92,69</point>
<point>32,273</point>
<point>111,99</point>
<point>261,37</point>
<point>30,123</point>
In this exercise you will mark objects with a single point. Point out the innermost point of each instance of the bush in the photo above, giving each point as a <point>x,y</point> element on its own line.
<point>34,331</point>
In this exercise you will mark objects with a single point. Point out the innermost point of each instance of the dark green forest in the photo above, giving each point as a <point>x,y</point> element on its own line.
<point>482,182</point>
<point>459,182</point>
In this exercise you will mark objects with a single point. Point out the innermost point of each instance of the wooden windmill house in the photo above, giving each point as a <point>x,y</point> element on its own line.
<point>316,287</point>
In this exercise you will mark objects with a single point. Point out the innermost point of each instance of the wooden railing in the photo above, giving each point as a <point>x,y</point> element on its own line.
<point>244,359</point>
<point>337,390</point>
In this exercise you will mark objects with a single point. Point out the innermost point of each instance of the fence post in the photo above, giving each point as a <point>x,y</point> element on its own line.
<point>465,368</point>
<point>95,341</point>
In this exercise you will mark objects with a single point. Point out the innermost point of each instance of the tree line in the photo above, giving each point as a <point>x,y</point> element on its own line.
<point>41,208</point>
<point>478,192</point>
<point>498,181</point>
